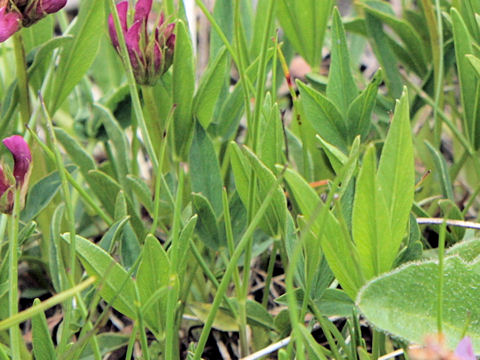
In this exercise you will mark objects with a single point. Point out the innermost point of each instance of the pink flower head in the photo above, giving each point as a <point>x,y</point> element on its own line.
<point>9,23</point>
<point>464,350</point>
<point>150,51</point>
<point>17,13</point>
<point>22,165</point>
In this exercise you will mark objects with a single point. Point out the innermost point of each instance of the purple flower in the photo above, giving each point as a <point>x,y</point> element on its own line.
<point>17,13</point>
<point>9,23</point>
<point>150,50</point>
<point>464,350</point>
<point>22,166</point>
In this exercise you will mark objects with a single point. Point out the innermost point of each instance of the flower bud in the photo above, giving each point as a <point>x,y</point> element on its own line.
<point>9,23</point>
<point>150,51</point>
<point>22,166</point>
<point>37,9</point>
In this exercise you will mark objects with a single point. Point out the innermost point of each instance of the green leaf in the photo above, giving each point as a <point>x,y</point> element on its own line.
<point>336,244</point>
<point>180,262</point>
<point>341,87</point>
<point>207,227</point>
<point>304,23</point>
<point>116,134</point>
<point>371,221</point>
<point>404,302</point>
<point>475,62</point>
<point>55,263</point>
<point>469,83</point>
<point>78,55</point>
<point>40,194</point>
<point>333,302</point>
<point>209,89</point>
<point>153,274</point>
<point>242,163</point>
<point>223,321</point>
<point>107,343</point>
<point>142,191</point>
<point>272,139</point>
<point>258,315</point>
<point>183,87</point>
<point>467,250</point>
<point>360,111</point>
<point>324,116</point>
<point>115,282</point>
<point>43,53</point>
<point>205,170</point>
<point>223,14</point>
<point>76,152</point>
<point>336,157</point>
<point>410,38</point>
<point>43,348</point>
<point>384,54</point>
<point>105,188</point>
<point>112,235</point>
<point>441,172</point>
<point>396,172</point>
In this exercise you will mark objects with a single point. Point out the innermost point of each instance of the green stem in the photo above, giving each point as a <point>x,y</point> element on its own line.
<point>268,280</point>
<point>22,77</point>
<point>141,326</point>
<point>441,253</point>
<point>13,275</point>
<point>230,239</point>
<point>171,339</point>
<point>159,174</point>
<point>378,344</point>
<point>44,305</point>
<point>153,119</point>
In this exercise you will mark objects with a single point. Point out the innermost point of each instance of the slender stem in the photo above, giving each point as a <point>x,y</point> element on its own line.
<point>44,305</point>
<point>13,275</point>
<point>441,280</point>
<point>153,120</point>
<point>261,76</point>
<point>159,174</point>
<point>131,342</point>
<point>241,63</point>
<point>141,326</point>
<point>22,77</point>
<point>230,240</point>
<point>170,343</point>
<point>268,280</point>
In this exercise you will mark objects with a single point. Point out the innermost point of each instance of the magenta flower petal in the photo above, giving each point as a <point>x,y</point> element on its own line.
<point>122,9</point>
<point>464,349</point>
<point>132,39</point>
<point>9,23</point>
<point>21,156</point>
<point>142,10</point>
